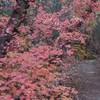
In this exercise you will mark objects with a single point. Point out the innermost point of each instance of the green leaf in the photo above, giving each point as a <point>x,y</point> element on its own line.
<point>6,12</point>
<point>55,34</point>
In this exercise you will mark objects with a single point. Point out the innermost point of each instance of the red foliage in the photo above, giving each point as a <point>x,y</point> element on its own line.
<point>33,65</point>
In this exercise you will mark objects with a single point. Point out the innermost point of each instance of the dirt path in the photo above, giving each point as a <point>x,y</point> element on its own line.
<point>87,79</point>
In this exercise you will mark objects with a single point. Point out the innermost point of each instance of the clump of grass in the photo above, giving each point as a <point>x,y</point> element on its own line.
<point>81,52</point>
